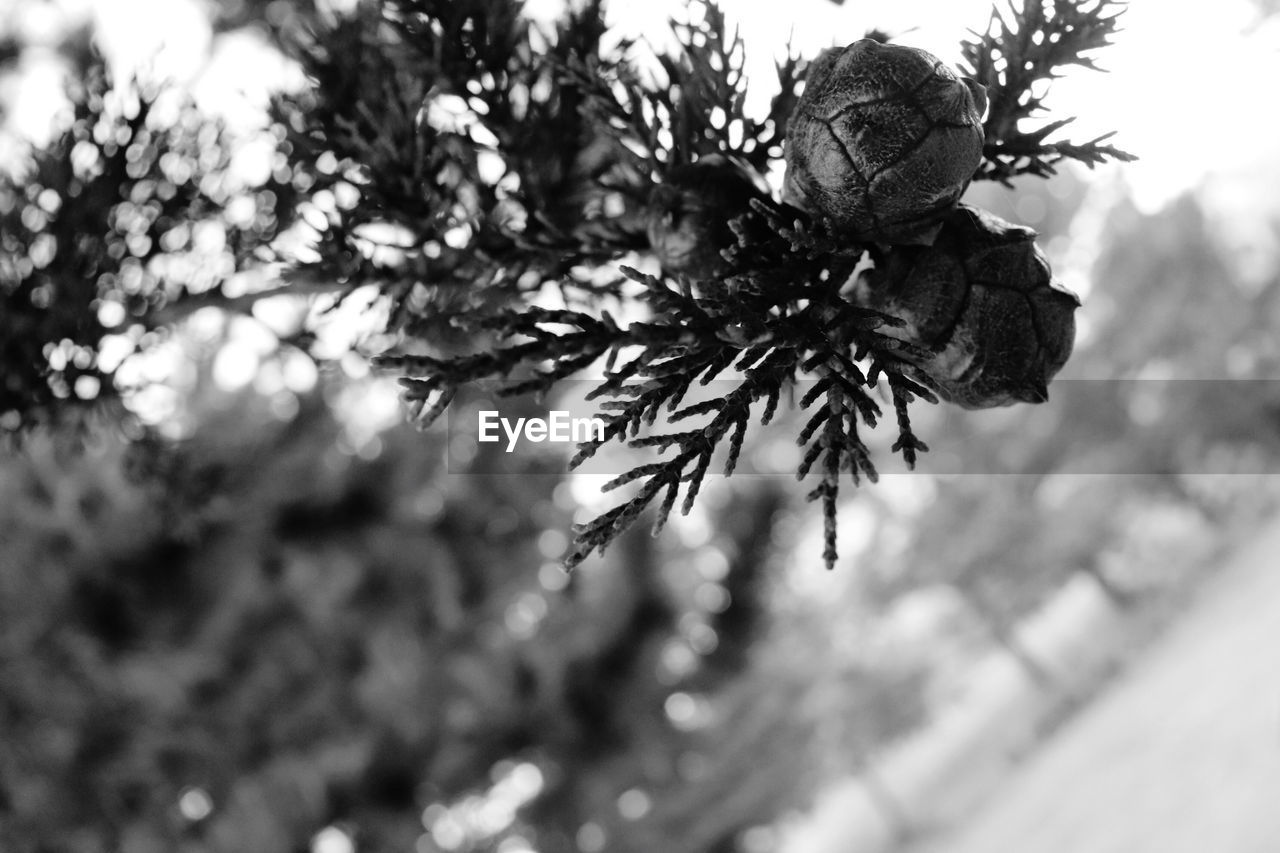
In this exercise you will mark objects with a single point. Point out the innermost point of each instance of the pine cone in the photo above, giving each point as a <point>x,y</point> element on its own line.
<point>982,300</point>
<point>689,213</point>
<point>883,141</point>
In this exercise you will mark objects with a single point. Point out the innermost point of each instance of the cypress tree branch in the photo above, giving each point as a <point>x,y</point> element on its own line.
<point>1016,57</point>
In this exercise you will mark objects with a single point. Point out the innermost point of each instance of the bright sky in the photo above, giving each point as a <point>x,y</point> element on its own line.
<point>1183,88</point>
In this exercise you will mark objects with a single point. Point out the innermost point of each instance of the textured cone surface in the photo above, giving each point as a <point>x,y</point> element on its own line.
<point>883,141</point>
<point>983,301</point>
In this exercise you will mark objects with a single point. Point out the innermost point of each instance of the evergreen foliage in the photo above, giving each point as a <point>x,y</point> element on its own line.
<point>128,212</point>
<point>1016,57</point>
<point>782,316</point>
<point>487,177</point>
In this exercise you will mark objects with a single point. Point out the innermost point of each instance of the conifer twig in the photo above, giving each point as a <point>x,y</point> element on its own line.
<point>1016,57</point>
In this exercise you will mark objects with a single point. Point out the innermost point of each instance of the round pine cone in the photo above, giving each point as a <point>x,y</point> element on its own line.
<point>883,141</point>
<point>982,301</point>
<point>689,212</point>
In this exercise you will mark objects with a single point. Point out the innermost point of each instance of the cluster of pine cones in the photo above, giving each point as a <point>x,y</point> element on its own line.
<point>882,144</point>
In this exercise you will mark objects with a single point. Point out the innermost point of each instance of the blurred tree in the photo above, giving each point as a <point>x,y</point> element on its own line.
<point>132,207</point>
<point>306,638</point>
<point>1175,403</point>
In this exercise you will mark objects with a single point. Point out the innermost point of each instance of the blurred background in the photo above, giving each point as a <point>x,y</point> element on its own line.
<point>270,617</point>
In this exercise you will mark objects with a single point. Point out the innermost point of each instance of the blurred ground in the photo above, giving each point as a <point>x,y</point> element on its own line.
<point>1179,755</point>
